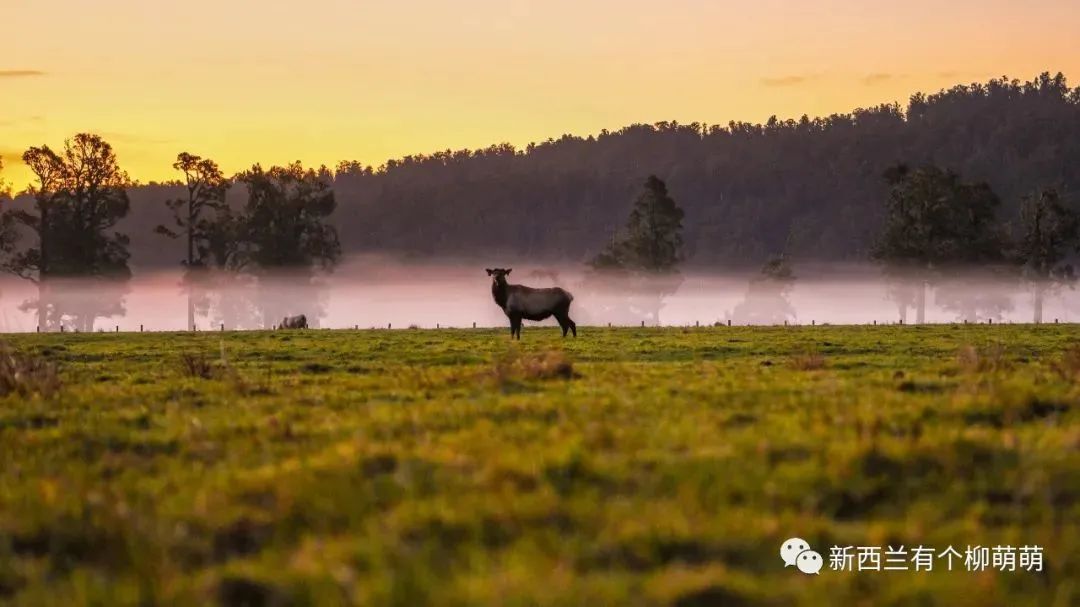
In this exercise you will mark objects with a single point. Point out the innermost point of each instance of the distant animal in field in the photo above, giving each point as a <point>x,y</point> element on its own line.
<point>519,303</point>
<point>294,322</point>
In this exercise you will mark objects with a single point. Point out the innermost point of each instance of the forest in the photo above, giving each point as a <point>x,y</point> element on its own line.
<point>982,174</point>
<point>810,187</point>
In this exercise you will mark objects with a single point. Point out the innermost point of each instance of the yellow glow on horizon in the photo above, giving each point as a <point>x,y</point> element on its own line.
<point>330,80</point>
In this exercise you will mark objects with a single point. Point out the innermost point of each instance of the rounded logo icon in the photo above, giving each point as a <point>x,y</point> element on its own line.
<point>790,550</point>
<point>810,562</point>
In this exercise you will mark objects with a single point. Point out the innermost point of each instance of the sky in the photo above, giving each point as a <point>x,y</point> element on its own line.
<point>272,81</point>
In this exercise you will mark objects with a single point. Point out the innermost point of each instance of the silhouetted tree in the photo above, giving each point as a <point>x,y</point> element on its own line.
<point>286,235</point>
<point>1050,230</point>
<point>9,234</point>
<point>977,294</point>
<point>5,187</point>
<point>766,300</point>
<point>230,290</point>
<point>935,221</point>
<point>79,198</point>
<point>33,263</point>
<point>652,239</point>
<point>902,291</point>
<point>205,188</point>
<point>645,254</point>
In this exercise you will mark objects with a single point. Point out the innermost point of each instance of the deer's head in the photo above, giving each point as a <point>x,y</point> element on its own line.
<point>498,275</point>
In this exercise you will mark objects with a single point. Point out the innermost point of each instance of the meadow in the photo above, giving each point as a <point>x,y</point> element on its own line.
<point>453,467</point>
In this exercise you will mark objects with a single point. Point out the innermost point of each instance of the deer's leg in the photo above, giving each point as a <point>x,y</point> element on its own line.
<point>564,322</point>
<point>515,326</point>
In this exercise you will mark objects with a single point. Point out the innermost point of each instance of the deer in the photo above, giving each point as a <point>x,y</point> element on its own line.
<point>520,302</point>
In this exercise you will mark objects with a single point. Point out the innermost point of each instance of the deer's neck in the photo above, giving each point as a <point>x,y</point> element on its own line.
<point>498,291</point>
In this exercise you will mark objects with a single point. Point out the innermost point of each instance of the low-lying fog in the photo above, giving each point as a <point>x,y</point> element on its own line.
<point>373,292</point>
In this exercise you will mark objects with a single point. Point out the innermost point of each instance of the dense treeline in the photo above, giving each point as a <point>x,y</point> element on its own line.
<point>982,174</point>
<point>810,187</point>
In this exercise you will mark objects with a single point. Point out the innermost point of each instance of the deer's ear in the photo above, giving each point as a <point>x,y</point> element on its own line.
<point>508,270</point>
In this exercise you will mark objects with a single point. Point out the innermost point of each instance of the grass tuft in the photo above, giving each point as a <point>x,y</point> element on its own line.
<point>1069,365</point>
<point>199,366</point>
<point>987,359</point>
<point>25,374</point>
<point>514,365</point>
<point>807,361</point>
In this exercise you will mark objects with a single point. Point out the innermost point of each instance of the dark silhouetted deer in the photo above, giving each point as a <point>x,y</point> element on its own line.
<point>520,302</point>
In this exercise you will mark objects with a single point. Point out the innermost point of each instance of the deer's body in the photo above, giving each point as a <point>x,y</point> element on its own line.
<point>519,303</point>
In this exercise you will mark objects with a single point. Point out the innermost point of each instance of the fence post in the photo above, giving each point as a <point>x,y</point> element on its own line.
<point>643,323</point>
<point>474,324</point>
<point>140,328</point>
<point>117,328</point>
<point>697,323</point>
<point>388,326</point>
<point>61,328</point>
<point>39,328</point>
<point>729,322</point>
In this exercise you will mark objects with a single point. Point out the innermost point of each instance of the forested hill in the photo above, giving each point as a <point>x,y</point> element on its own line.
<point>812,187</point>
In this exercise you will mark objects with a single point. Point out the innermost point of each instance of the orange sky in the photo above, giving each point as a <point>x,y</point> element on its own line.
<point>324,80</point>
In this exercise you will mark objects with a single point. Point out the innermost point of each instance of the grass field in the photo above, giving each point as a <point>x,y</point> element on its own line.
<point>628,466</point>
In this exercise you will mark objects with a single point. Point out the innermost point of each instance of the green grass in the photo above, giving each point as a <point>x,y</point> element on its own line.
<point>628,466</point>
